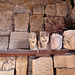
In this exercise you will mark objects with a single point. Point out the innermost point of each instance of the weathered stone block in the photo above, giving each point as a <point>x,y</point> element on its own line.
<point>50,10</point>
<point>11,72</point>
<point>19,40</point>
<point>42,66</point>
<point>69,39</point>
<point>3,43</point>
<point>38,9</point>
<point>36,23</point>
<point>7,63</point>
<point>21,22</point>
<point>58,1</point>
<point>21,66</point>
<point>62,9</point>
<point>5,22</point>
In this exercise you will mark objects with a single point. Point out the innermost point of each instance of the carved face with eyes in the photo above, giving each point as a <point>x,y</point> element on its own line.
<point>32,39</point>
<point>44,37</point>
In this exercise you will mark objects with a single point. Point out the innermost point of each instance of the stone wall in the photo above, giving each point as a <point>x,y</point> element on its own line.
<point>18,18</point>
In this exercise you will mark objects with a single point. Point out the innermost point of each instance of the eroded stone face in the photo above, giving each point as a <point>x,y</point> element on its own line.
<point>21,22</point>
<point>5,22</point>
<point>33,41</point>
<point>69,39</point>
<point>50,10</point>
<point>56,41</point>
<point>61,9</point>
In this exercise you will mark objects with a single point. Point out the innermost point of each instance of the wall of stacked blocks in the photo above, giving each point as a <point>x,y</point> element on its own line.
<point>18,18</point>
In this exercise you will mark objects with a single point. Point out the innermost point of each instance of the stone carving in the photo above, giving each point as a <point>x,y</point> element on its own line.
<point>56,41</point>
<point>69,39</point>
<point>33,41</point>
<point>43,42</point>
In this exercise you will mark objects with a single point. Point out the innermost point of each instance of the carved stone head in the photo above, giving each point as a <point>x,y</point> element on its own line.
<point>32,39</point>
<point>44,37</point>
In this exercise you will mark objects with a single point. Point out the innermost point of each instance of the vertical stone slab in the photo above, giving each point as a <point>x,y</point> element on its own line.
<point>21,22</point>
<point>50,10</point>
<point>42,66</point>
<point>38,9</point>
<point>21,66</point>
<point>36,23</point>
<point>3,43</point>
<point>11,72</point>
<point>62,9</point>
<point>19,40</point>
<point>5,22</point>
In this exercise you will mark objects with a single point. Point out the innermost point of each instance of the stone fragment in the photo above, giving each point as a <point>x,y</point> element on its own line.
<point>38,9</point>
<point>21,22</point>
<point>7,63</point>
<point>42,66</point>
<point>3,43</point>
<point>19,40</point>
<point>21,66</point>
<point>50,10</point>
<point>36,23</point>
<point>54,24</point>
<point>5,22</point>
<point>56,41</point>
<point>69,39</point>
<point>62,9</point>
<point>11,72</point>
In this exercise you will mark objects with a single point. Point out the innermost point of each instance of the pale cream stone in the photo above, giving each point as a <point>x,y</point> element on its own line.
<point>43,42</point>
<point>50,10</point>
<point>21,66</point>
<point>21,22</point>
<point>56,41</point>
<point>69,39</point>
<point>33,41</point>
<point>42,66</point>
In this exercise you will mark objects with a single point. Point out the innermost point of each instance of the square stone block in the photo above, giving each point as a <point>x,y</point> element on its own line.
<point>19,40</point>
<point>5,22</point>
<point>21,22</point>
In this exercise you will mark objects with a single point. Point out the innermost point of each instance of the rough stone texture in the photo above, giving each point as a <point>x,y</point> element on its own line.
<point>56,41</point>
<point>69,39</point>
<point>21,66</point>
<point>5,22</point>
<point>36,23</point>
<point>54,24</point>
<point>64,61</point>
<point>50,10</point>
<point>23,9</point>
<point>65,71</point>
<point>21,22</point>
<point>38,9</point>
<point>61,9</point>
<point>35,2</point>
<point>11,72</point>
<point>42,66</point>
<point>56,1</point>
<point>7,63</point>
<point>19,40</point>
<point>3,43</point>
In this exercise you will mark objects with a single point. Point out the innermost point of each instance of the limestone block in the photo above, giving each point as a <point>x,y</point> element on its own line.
<point>11,72</point>
<point>58,1</point>
<point>42,66</point>
<point>36,23</point>
<point>7,63</point>
<point>69,39</point>
<point>38,9</point>
<point>4,42</point>
<point>61,9</point>
<point>56,41</point>
<point>71,71</point>
<point>5,22</point>
<point>50,10</point>
<point>19,40</point>
<point>21,66</point>
<point>21,22</point>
